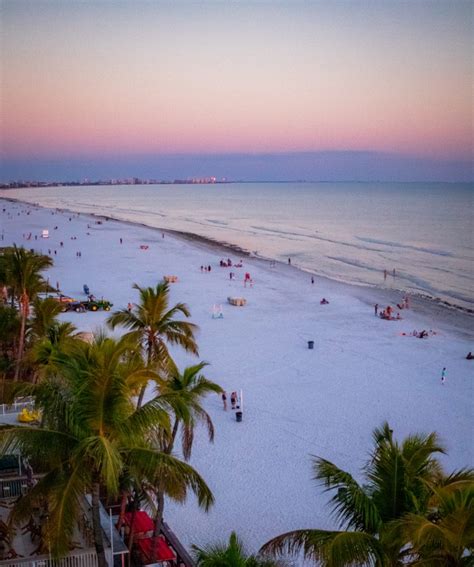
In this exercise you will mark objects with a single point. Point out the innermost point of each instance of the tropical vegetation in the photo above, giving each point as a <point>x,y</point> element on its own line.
<point>231,554</point>
<point>95,439</point>
<point>21,281</point>
<point>92,434</point>
<point>152,323</point>
<point>409,512</point>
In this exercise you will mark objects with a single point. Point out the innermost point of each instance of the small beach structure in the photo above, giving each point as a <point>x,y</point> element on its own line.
<point>237,301</point>
<point>170,279</point>
<point>45,233</point>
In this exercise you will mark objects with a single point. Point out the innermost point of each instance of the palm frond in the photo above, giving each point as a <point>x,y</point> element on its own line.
<point>352,506</point>
<point>170,474</point>
<point>330,548</point>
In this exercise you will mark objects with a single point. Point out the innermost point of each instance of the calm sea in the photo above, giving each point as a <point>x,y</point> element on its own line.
<point>350,232</point>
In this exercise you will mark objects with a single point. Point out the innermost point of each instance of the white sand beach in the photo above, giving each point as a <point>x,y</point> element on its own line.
<point>297,402</point>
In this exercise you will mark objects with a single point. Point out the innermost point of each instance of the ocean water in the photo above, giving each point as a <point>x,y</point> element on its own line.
<point>350,232</point>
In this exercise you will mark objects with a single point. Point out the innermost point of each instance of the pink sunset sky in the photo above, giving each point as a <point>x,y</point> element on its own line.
<point>131,78</point>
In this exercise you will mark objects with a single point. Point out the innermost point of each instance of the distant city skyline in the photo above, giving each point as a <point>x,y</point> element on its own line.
<point>285,90</point>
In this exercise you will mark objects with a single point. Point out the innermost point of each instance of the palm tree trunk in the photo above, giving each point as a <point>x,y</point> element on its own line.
<point>96,527</point>
<point>160,495</point>
<point>160,502</point>
<point>140,396</point>
<point>143,388</point>
<point>123,506</point>
<point>21,342</point>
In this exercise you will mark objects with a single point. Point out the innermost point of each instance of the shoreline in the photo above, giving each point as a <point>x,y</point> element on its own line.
<point>299,401</point>
<point>425,303</point>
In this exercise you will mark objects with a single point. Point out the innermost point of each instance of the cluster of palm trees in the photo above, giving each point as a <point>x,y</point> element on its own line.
<point>21,282</point>
<point>98,435</point>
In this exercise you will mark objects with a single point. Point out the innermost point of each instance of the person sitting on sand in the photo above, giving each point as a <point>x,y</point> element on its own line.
<point>470,356</point>
<point>324,301</point>
<point>423,334</point>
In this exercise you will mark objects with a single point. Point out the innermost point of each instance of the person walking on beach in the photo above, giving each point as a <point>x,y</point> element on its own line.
<point>376,309</point>
<point>224,400</point>
<point>289,261</point>
<point>121,241</point>
<point>443,375</point>
<point>384,275</point>
<point>233,399</point>
<point>312,279</point>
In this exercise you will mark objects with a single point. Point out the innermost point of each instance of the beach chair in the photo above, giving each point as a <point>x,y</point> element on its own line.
<point>217,312</point>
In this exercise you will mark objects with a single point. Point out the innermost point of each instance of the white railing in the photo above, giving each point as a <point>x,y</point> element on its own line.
<point>16,406</point>
<point>13,487</point>
<point>86,558</point>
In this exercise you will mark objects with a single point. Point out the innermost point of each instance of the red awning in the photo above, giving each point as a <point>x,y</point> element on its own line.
<point>163,550</point>
<point>142,523</point>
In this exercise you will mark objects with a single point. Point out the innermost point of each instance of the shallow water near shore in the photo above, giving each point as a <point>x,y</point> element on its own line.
<point>350,232</point>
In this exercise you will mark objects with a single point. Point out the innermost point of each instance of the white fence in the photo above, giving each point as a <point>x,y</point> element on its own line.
<point>16,407</point>
<point>13,487</point>
<point>86,558</point>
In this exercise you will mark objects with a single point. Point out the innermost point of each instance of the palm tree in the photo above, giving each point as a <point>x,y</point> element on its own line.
<point>399,477</point>
<point>152,323</point>
<point>22,274</point>
<point>9,331</point>
<point>445,536</point>
<point>186,391</point>
<point>44,316</point>
<point>190,387</point>
<point>92,435</point>
<point>230,555</point>
<point>59,339</point>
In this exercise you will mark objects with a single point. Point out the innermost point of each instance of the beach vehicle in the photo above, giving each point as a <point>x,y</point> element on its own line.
<point>77,306</point>
<point>63,298</point>
<point>98,304</point>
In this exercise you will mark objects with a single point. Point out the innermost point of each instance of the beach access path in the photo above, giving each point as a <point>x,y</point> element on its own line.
<point>297,402</point>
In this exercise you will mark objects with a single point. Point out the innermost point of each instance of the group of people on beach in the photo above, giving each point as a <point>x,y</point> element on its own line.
<point>234,400</point>
<point>228,263</point>
<point>385,274</point>
<point>388,313</point>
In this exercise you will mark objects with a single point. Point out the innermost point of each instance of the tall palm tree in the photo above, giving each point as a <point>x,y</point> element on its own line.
<point>9,331</point>
<point>190,387</point>
<point>398,477</point>
<point>22,273</point>
<point>92,434</point>
<point>231,554</point>
<point>153,324</point>
<point>186,391</point>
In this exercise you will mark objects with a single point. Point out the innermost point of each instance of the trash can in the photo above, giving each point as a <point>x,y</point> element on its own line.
<point>238,415</point>
<point>310,345</point>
